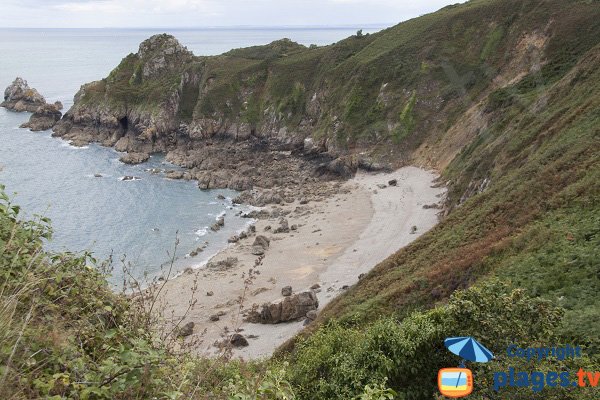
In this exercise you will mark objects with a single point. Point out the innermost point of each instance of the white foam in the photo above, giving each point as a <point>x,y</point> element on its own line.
<point>135,178</point>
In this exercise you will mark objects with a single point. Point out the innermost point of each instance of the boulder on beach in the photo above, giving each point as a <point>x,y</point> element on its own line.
<point>186,330</point>
<point>261,241</point>
<point>238,340</point>
<point>18,96</point>
<point>289,308</point>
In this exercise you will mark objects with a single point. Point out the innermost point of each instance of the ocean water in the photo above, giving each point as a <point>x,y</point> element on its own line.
<point>138,219</point>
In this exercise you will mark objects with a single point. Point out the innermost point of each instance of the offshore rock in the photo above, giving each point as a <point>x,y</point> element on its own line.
<point>20,97</point>
<point>44,117</point>
<point>134,158</point>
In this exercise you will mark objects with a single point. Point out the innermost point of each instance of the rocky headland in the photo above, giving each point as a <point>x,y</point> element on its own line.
<point>19,97</point>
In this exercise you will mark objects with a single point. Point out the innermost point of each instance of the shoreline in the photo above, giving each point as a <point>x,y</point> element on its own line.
<point>329,244</point>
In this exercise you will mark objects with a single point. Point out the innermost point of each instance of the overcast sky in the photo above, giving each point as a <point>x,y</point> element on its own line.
<point>208,13</point>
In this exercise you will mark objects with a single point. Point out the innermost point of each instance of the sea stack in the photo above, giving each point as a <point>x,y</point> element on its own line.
<point>20,97</point>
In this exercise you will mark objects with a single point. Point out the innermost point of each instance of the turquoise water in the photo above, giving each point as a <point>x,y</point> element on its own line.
<point>139,219</point>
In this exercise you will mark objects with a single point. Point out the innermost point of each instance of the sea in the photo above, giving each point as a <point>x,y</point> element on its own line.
<point>151,224</point>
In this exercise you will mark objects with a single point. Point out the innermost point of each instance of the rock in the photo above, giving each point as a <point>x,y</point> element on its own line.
<point>233,239</point>
<point>134,158</point>
<point>258,250</point>
<point>238,340</point>
<point>315,286</point>
<point>175,174</point>
<point>223,265</point>
<point>44,118</point>
<point>393,182</point>
<point>220,197</point>
<point>345,287</point>
<point>219,224</point>
<point>58,105</point>
<point>186,330</point>
<point>214,318</point>
<point>97,175</point>
<point>344,167</point>
<point>262,241</point>
<point>130,178</point>
<point>210,293</point>
<point>268,228</point>
<point>290,308</point>
<point>283,226</point>
<point>413,230</point>
<point>286,291</point>
<point>381,186</point>
<point>311,315</point>
<point>361,276</point>
<point>294,227</point>
<point>19,97</point>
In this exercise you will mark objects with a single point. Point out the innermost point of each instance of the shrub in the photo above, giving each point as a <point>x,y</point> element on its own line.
<point>339,361</point>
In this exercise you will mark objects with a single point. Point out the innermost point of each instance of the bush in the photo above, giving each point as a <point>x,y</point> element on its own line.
<point>338,361</point>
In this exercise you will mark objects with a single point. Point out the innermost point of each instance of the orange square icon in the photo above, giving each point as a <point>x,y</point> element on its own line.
<point>455,382</point>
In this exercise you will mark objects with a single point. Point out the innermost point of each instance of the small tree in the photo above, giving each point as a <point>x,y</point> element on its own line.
<point>359,33</point>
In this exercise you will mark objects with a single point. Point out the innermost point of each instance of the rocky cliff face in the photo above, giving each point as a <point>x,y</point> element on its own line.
<point>418,92</point>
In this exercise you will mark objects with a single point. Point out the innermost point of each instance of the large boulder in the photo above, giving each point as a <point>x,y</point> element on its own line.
<point>20,97</point>
<point>290,308</point>
<point>44,118</point>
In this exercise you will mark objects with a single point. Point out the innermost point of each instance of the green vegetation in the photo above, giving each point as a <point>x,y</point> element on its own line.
<point>338,360</point>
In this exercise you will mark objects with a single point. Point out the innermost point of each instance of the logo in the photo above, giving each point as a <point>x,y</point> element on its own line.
<point>458,382</point>
<point>455,382</point>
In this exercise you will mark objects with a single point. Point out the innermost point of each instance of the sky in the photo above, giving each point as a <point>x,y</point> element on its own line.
<point>209,13</point>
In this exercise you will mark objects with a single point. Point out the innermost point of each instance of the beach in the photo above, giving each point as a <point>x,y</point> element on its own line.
<point>327,245</point>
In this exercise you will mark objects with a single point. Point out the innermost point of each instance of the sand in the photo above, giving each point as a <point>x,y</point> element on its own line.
<point>336,240</point>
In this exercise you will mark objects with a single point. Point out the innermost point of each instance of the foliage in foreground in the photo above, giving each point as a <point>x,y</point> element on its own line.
<point>338,361</point>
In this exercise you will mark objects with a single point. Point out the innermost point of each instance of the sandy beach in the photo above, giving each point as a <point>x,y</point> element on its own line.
<point>329,244</point>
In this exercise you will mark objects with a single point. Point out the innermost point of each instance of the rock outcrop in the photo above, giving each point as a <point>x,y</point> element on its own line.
<point>134,158</point>
<point>165,99</point>
<point>44,118</point>
<point>20,97</point>
<point>289,308</point>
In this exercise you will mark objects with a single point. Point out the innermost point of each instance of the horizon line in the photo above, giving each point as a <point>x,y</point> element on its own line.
<point>344,26</point>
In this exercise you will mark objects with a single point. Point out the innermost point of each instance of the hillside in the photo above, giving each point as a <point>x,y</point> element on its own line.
<point>500,96</point>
